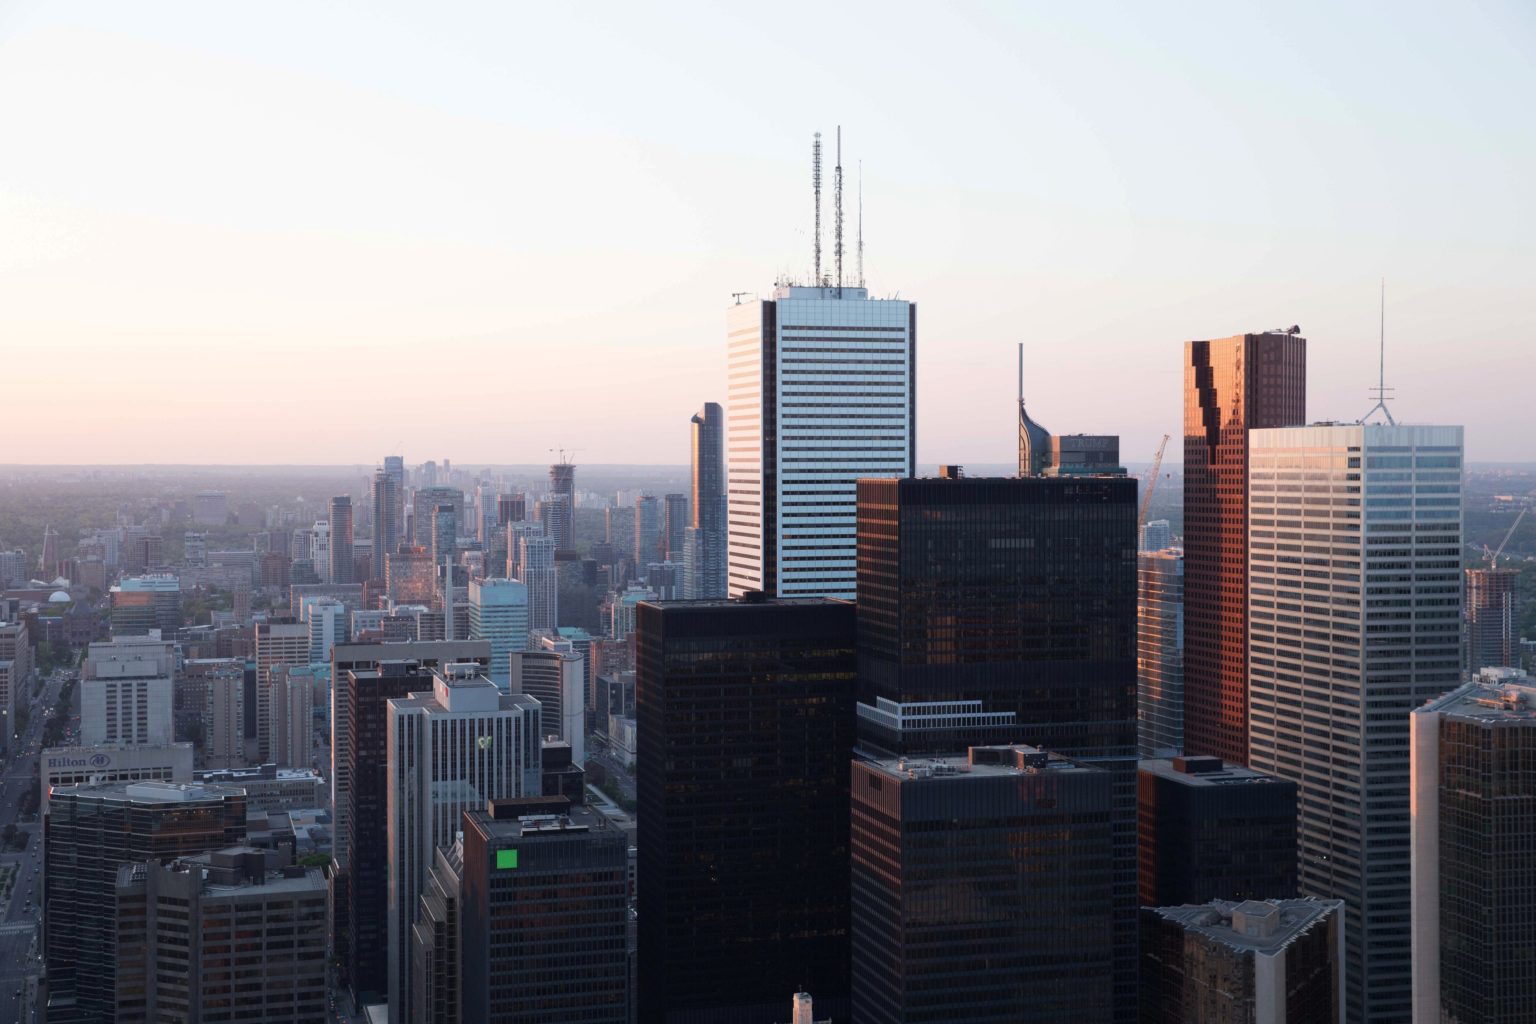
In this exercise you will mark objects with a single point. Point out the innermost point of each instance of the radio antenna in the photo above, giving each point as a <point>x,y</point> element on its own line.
<point>861,223</point>
<point>1382,392</point>
<point>837,211</point>
<point>816,188</point>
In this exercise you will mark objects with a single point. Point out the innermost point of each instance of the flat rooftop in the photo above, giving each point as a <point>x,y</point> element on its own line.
<point>1201,771</point>
<point>1508,696</point>
<point>1264,927</point>
<point>980,762</point>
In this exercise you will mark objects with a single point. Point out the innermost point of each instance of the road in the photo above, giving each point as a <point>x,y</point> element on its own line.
<point>20,912</point>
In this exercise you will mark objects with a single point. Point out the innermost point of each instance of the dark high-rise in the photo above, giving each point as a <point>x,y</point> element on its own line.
<point>367,694</point>
<point>982,889</point>
<point>1213,831</point>
<point>745,726</point>
<point>674,520</point>
<point>704,545</point>
<point>88,834</point>
<point>1231,385</point>
<point>386,520</point>
<point>341,540</point>
<point>562,481</point>
<point>1492,621</point>
<point>1010,602</point>
<point>543,912</point>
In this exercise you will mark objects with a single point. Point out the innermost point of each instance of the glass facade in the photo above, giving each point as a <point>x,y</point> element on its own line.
<point>1160,652</point>
<point>745,719</point>
<point>1230,386</point>
<point>1019,594</point>
<point>1354,620</point>
<point>982,894</point>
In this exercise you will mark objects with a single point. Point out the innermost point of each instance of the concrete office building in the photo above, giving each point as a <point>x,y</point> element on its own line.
<point>983,888</point>
<point>1231,385</point>
<point>1160,652</point>
<point>1354,583</point>
<point>1270,961</point>
<point>92,831</point>
<point>174,921</point>
<point>367,657</point>
<point>112,762</point>
<point>537,564</point>
<point>745,728</point>
<point>449,750</point>
<point>556,676</point>
<point>142,603</point>
<point>1207,830</point>
<point>126,692</point>
<point>290,697</point>
<point>499,614</point>
<point>544,913</point>
<point>822,394</point>
<point>1474,839</point>
<point>282,640</point>
<point>269,788</point>
<point>223,711</point>
<point>704,542</point>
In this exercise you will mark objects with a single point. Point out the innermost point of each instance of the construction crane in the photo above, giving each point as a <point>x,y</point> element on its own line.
<point>1493,556</point>
<point>1146,499</point>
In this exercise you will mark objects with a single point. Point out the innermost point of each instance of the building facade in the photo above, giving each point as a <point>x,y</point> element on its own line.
<point>745,728</point>
<point>822,394</point>
<point>1354,620</point>
<point>1160,652</point>
<point>1231,385</point>
<point>498,614</point>
<point>127,692</point>
<point>983,889</point>
<point>704,543</point>
<point>340,520</point>
<point>1492,633</point>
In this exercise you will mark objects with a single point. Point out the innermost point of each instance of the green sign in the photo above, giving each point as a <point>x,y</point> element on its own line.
<point>506,859</point>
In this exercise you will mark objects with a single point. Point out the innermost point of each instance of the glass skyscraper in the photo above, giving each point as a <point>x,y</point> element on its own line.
<point>704,542</point>
<point>1354,620</point>
<point>822,393</point>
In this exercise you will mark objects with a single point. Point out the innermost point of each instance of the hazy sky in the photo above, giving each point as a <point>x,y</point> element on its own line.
<point>316,233</point>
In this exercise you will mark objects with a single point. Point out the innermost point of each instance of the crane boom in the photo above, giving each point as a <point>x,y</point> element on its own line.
<point>1493,559</point>
<point>1146,499</point>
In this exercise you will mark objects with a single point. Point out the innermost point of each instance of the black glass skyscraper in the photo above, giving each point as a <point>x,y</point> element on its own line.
<point>745,728</point>
<point>1011,604</point>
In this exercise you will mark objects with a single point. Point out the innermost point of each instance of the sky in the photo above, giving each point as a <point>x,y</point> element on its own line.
<point>317,233</point>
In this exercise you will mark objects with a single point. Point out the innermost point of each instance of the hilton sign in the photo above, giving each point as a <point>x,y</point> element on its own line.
<point>94,761</point>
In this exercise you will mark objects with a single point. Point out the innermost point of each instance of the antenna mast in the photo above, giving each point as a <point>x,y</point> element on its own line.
<point>816,188</point>
<point>837,208</point>
<point>861,223</point>
<point>1381,389</point>
<point>1021,375</point>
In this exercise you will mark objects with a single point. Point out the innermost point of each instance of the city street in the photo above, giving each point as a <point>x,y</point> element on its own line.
<point>20,912</point>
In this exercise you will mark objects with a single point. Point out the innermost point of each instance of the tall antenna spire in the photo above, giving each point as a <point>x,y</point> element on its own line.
<point>837,211</point>
<point>1382,392</point>
<point>861,223</point>
<point>1021,375</point>
<point>816,187</point>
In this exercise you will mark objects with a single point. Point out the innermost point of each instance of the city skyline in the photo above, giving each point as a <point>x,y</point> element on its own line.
<point>1187,191</point>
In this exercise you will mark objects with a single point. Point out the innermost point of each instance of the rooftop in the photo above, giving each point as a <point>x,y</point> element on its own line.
<point>1204,771</point>
<point>981,762</point>
<point>1264,927</point>
<point>1496,695</point>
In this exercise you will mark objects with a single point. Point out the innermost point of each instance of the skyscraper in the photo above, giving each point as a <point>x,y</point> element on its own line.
<point>822,394</point>
<point>1493,639</point>
<point>425,503</point>
<point>1231,385</point>
<point>449,751</point>
<point>1353,621</point>
<point>537,562</point>
<point>410,576</point>
<point>982,889</point>
<point>745,726</point>
<point>1160,652</point>
<point>1474,839</point>
<point>557,515</point>
<point>126,692</point>
<point>620,525</point>
<point>562,481</point>
<point>555,675</point>
<point>544,913</point>
<point>648,536</point>
<point>445,538</point>
<point>341,540</point>
<point>704,541</point>
<point>511,508</point>
<point>674,520</point>
<point>386,519</point>
<point>498,613</point>
<point>282,640</point>
<point>1000,611</point>
<point>89,833</point>
<point>1276,961</point>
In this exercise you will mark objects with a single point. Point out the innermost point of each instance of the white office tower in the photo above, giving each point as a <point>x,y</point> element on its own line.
<point>516,532</point>
<point>126,692</point>
<point>326,620</point>
<point>1160,652</point>
<point>485,509</point>
<point>498,613</point>
<point>1354,620</point>
<point>821,394</point>
<point>448,751</point>
<point>538,567</point>
<point>320,549</point>
<point>554,674</point>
